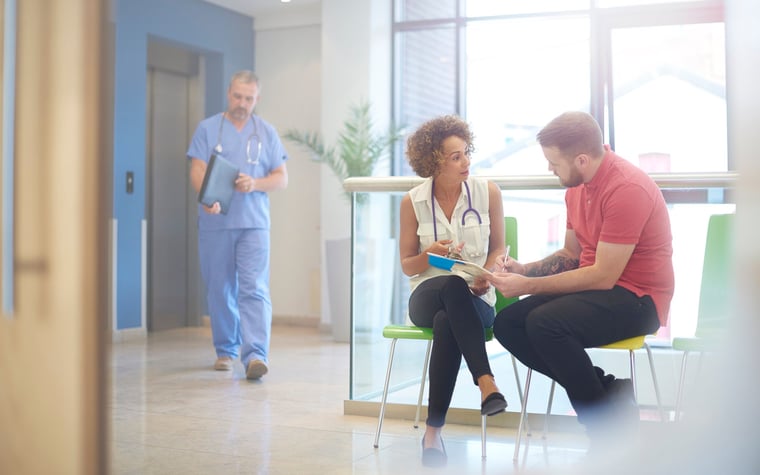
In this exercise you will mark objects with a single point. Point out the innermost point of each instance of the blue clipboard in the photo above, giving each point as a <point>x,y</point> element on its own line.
<point>218,183</point>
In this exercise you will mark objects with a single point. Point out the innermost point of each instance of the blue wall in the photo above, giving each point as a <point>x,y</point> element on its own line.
<point>225,39</point>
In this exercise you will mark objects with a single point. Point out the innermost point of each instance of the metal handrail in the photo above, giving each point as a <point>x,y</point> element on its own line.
<point>543,182</point>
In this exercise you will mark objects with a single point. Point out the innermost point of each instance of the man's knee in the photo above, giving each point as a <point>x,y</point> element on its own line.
<point>506,328</point>
<point>500,327</point>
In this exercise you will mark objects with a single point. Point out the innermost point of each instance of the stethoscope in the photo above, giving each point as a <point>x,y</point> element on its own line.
<point>469,209</point>
<point>219,149</point>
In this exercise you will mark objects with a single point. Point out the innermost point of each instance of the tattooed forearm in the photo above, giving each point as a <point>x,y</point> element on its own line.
<point>551,265</point>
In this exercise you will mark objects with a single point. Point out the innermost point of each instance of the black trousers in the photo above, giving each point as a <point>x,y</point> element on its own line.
<point>549,333</point>
<point>458,318</point>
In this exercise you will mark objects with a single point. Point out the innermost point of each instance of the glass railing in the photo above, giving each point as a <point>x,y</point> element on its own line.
<point>380,291</point>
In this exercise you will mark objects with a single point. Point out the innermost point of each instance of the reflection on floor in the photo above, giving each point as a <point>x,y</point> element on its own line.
<point>171,413</point>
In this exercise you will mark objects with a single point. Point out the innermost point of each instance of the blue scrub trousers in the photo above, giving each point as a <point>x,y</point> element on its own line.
<point>235,267</point>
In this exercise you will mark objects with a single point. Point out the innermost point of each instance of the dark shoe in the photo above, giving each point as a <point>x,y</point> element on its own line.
<point>612,423</point>
<point>493,404</point>
<point>605,379</point>
<point>433,457</point>
<point>622,400</point>
<point>621,391</point>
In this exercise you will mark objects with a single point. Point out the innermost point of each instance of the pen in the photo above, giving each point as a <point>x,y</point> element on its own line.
<point>506,256</point>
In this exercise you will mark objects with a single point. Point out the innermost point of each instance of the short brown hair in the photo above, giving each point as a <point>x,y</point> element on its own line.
<point>573,133</point>
<point>423,148</point>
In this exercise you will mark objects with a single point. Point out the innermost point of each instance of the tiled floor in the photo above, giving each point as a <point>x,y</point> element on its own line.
<point>171,413</point>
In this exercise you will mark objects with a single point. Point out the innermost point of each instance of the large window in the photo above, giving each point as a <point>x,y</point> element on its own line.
<point>512,89</point>
<point>652,72</point>
<point>667,96</point>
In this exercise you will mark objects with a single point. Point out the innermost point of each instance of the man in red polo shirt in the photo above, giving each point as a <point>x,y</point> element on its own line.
<point>612,280</point>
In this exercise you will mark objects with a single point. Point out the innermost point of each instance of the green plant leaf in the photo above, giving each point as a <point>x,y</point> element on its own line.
<point>357,150</point>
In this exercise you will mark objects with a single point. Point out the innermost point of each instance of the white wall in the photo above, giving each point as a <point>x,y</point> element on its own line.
<point>314,63</point>
<point>288,62</point>
<point>356,65</point>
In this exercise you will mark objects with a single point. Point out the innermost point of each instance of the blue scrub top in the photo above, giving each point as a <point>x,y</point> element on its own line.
<point>247,210</point>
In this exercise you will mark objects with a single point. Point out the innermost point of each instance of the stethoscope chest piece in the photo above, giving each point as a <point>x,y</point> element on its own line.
<point>218,149</point>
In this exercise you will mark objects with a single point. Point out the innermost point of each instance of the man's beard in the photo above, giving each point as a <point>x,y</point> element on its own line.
<point>572,181</point>
<point>239,113</point>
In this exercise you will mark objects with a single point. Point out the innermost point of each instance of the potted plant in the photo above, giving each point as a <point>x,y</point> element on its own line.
<point>357,150</point>
<point>356,153</point>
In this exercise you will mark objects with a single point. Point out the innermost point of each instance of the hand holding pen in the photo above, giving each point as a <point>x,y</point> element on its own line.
<point>504,262</point>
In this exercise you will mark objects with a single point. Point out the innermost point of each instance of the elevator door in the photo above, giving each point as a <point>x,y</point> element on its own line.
<point>172,279</point>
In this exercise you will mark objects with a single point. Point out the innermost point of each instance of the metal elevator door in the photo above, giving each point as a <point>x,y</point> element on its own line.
<point>173,276</point>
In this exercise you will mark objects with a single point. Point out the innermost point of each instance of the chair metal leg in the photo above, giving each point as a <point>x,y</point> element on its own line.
<point>385,392</point>
<point>632,364</point>
<point>517,379</point>
<point>699,362</point>
<point>548,409</point>
<point>483,436</point>
<point>519,389</point>
<point>422,384</point>
<point>681,380</point>
<point>654,381</point>
<point>523,411</point>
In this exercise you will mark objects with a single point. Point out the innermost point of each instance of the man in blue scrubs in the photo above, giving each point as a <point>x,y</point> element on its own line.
<point>234,247</point>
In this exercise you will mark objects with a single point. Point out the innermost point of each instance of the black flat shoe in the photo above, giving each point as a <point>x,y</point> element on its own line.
<point>433,457</point>
<point>493,404</point>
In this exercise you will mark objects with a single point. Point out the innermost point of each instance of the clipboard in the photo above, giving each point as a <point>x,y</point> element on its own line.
<point>467,270</point>
<point>218,183</point>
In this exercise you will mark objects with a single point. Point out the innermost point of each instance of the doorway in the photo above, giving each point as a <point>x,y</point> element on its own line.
<point>174,108</point>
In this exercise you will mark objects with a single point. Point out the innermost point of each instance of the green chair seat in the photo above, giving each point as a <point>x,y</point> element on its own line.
<point>409,332</point>
<point>688,344</point>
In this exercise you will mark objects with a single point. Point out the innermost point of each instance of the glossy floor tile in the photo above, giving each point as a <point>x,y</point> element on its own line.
<point>172,413</point>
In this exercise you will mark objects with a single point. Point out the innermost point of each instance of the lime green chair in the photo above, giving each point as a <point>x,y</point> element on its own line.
<point>410,332</point>
<point>714,297</point>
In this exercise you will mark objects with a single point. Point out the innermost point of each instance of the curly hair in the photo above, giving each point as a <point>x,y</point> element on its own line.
<point>423,148</point>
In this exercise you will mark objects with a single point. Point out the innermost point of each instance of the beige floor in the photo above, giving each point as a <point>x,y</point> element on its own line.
<point>171,413</point>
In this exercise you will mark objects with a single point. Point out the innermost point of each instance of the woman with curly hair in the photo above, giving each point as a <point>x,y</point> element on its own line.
<point>450,214</point>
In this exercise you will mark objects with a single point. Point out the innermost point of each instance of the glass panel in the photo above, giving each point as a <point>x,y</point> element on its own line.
<point>477,8</point>
<point>669,88</point>
<point>520,75</point>
<point>375,262</point>
<point>413,10</point>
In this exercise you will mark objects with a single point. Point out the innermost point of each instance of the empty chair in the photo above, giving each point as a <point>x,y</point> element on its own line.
<point>714,296</point>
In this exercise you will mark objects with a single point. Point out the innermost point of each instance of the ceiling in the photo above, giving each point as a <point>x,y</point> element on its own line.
<point>256,8</point>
